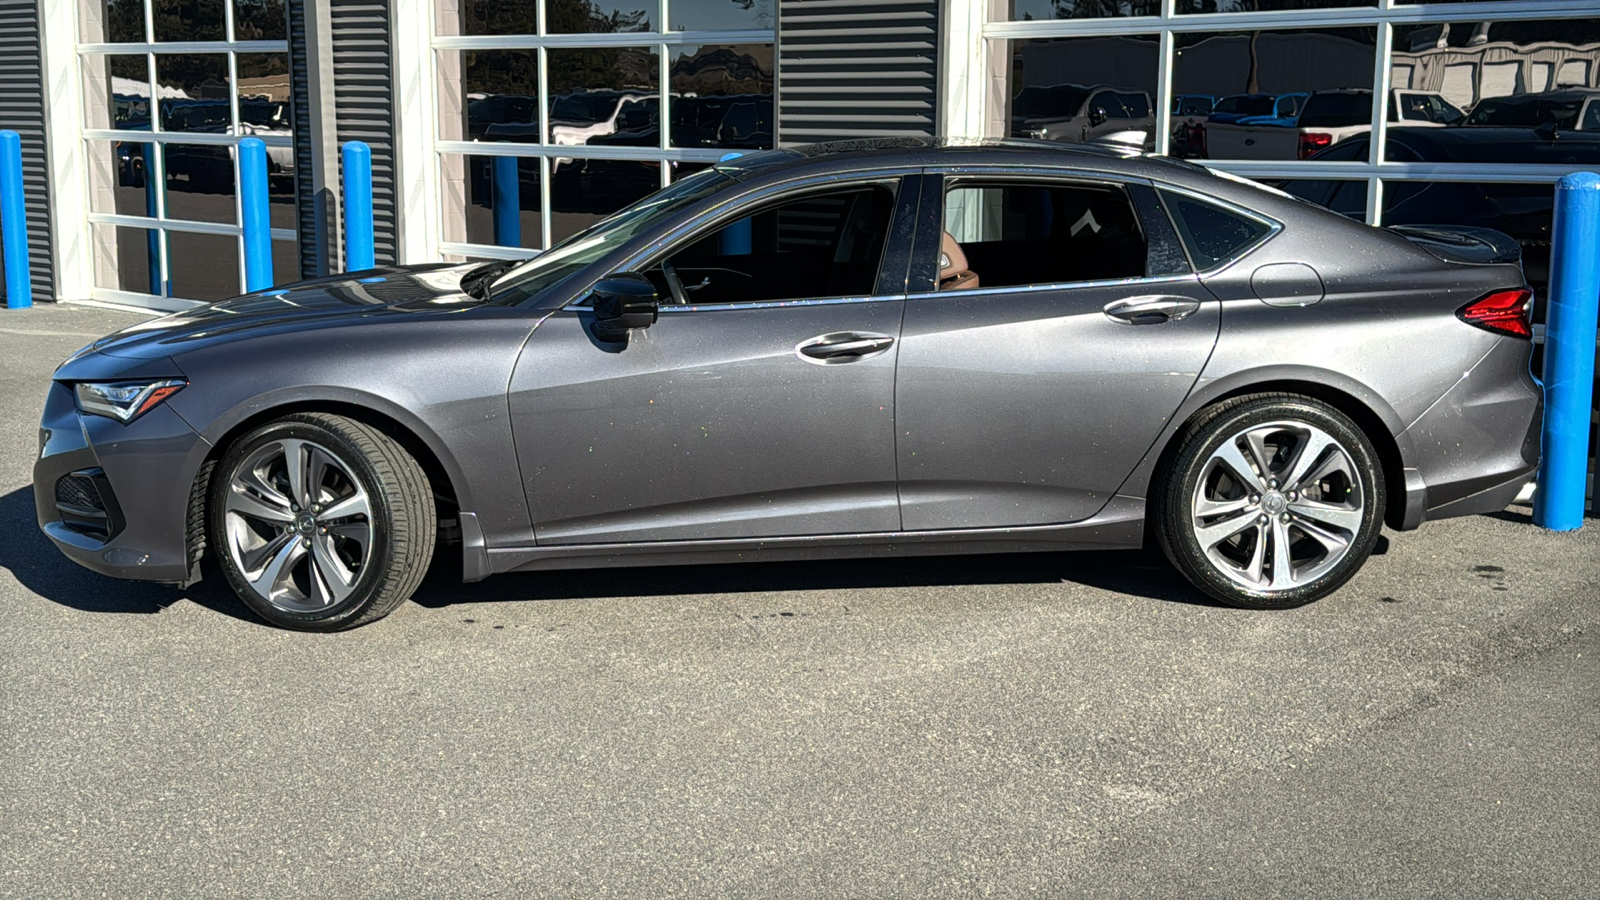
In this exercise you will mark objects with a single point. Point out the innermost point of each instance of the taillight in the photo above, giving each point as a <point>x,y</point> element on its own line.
<point>1503,312</point>
<point>1197,140</point>
<point>1312,141</point>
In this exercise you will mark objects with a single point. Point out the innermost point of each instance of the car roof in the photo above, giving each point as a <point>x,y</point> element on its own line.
<point>844,157</point>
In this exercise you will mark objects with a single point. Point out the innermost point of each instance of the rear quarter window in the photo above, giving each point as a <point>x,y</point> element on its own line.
<point>1213,235</point>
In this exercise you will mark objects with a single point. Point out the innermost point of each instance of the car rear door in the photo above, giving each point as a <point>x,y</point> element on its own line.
<point>761,407</point>
<point>1028,399</point>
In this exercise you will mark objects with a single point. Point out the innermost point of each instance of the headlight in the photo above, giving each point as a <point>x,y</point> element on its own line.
<point>125,400</point>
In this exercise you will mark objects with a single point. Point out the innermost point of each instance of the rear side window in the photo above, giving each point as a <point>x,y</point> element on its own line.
<point>1211,234</point>
<point>1020,233</point>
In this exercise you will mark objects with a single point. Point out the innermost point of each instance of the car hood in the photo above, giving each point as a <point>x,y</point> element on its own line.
<point>336,301</point>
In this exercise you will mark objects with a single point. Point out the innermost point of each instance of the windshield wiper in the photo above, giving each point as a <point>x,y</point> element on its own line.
<point>477,282</point>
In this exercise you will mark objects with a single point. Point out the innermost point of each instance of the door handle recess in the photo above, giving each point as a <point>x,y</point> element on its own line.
<point>1151,310</point>
<point>843,346</point>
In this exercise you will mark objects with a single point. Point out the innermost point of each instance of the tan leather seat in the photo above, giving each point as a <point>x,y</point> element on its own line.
<point>953,272</point>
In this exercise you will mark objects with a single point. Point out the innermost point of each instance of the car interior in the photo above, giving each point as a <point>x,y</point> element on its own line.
<point>819,245</point>
<point>1020,234</point>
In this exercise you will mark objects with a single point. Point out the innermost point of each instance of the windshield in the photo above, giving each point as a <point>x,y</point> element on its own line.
<point>567,257</point>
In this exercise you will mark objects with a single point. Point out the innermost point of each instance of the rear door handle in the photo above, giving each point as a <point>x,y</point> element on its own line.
<point>1151,310</point>
<point>843,346</point>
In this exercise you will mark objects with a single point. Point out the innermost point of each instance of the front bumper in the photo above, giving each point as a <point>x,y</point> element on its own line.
<point>123,510</point>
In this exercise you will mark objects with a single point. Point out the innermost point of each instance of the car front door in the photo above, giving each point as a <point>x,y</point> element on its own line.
<point>761,401</point>
<point>1033,384</point>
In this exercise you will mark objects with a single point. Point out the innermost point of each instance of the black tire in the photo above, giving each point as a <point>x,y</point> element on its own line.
<point>1221,575</point>
<point>402,519</point>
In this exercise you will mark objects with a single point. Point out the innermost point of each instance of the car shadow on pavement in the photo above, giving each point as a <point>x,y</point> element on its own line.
<point>29,556</point>
<point>1134,572</point>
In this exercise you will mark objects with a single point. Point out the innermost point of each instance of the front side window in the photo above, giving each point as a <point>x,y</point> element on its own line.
<point>1004,235</point>
<point>817,245</point>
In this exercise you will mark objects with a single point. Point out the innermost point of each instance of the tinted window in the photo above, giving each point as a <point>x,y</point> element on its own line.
<point>1334,110</point>
<point>1019,234</point>
<point>1213,235</point>
<point>817,245</point>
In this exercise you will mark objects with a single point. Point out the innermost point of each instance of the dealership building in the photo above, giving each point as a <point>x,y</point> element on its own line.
<point>498,127</point>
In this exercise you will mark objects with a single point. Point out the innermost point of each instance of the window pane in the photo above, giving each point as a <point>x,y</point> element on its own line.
<point>285,260</point>
<point>121,166</point>
<point>1082,89</point>
<point>600,16</point>
<point>582,192</point>
<point>501,93</point>
<point>821,245</point>
<point>1027,10</point>
<point>1039,234</point>
<point>117,92</point>
<point>516,180</point>
<point>259,20</point>
<point>194,92</point>
<point>200,183</point>
<point>1187,7</point>
<point>264,94</point>
<point>1493,83</point>
<point>118,22</point>
<point>721,15</point>
<point>203,266</point>
<point>591,89</point>
<point>1346,197</point>
<point>722,96</point>
<point>189,20</point>
<point>126,257</point>
<point>1212,234</point>
<point>1276,94</point>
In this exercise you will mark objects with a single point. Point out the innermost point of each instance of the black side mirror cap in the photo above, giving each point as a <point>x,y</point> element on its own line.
<point>621,303</point>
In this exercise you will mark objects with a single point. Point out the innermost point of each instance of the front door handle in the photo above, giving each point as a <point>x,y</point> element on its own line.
<point>843,346</point>
<point>1151,310</point>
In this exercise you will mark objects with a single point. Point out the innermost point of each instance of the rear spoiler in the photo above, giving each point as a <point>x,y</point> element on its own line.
<point>1461,244</point>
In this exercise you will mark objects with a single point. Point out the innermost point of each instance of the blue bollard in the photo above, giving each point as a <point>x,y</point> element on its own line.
<point>152,208</point>
<point>736,237</point>
<point>507,202</point>
<point>358,251</point>
<point>14,222</point>
<point>1569,349</point>
<point>255,215</point>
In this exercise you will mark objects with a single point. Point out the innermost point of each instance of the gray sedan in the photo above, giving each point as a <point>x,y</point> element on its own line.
<point>887,348</point>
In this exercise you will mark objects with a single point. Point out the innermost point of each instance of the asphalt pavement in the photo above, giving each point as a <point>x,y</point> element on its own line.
<point>1053,725</point>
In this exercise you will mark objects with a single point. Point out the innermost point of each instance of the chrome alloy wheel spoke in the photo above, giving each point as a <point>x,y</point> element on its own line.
<point>298,525</point>
<point>1277,506</point>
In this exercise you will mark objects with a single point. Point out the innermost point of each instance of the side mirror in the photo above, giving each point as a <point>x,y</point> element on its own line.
<point>621,303</point>
<point>1097,116</point>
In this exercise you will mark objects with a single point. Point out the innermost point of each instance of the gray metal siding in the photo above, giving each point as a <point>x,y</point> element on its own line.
<point>363,84</point>
<point>357,43</point>
<point>849,70</point>
<point>22,110</point>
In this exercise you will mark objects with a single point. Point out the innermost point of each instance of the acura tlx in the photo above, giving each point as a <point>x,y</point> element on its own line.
<point>868,349</point>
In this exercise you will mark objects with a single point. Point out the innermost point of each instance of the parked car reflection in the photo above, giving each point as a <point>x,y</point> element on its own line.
<point>1078,113</point>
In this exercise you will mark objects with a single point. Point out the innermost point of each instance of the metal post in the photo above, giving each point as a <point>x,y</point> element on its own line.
<point>14,222</point>
<point>358,252</point>
<point>254,214</point>
<point>1569,350</point>
<point>153,186</point>
<point>507,202</point>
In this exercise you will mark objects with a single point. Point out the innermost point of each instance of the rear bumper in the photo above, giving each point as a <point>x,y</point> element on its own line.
<point>138,475</point>
<point>1478,445</point>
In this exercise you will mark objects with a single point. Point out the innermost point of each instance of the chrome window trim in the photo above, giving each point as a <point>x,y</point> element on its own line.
<point>583,304</point>
<point>1057,286</point>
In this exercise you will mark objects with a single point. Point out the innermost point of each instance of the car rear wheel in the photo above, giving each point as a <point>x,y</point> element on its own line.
<point>1272,501</point>
<point>321,522</point>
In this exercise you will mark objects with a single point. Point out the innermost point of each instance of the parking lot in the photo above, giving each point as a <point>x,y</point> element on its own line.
<point>1011,726</point>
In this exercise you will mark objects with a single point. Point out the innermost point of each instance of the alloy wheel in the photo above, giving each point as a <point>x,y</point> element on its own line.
<point>299,525</point>
<point>1277,506</point>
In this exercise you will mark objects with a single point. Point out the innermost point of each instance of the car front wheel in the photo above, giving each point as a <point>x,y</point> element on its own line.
<point>321,522</point>
<point>1272,501</point>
